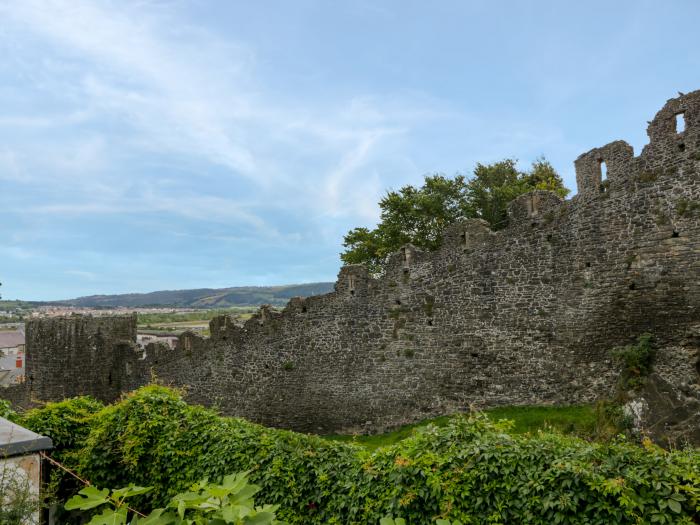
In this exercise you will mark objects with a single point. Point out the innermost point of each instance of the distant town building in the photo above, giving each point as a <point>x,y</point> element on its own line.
<point>11,357</point>
<point>142,339</point>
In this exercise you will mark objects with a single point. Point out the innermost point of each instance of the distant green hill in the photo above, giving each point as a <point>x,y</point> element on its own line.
<point>205,297</point>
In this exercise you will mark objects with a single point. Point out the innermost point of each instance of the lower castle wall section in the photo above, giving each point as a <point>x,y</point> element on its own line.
<point>523,316</point>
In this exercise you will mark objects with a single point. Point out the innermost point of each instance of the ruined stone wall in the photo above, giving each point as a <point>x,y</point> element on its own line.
<point>71,356</point>
<point>526,315</point>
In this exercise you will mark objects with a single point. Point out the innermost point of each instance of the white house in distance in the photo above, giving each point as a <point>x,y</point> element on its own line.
<point>11,357</point>
<point>144,338</point>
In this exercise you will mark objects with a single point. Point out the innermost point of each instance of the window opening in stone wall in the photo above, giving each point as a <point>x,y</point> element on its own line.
<point>680,122</point>
<point>531,204</point>
<point>463,240</point>
<point>603,171</point>
<point>351,284</point>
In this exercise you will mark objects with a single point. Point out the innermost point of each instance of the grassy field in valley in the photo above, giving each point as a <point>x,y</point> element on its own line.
<point>198,321</point>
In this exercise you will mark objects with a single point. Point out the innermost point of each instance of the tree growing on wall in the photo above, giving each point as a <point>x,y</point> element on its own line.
<point>420,215</point>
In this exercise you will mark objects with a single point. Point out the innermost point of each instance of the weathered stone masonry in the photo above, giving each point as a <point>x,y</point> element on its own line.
<point>526,315</point>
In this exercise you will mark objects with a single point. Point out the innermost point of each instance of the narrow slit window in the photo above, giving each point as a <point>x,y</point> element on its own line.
<point>463,240</point>
<point>680,122</point>
<point>603,171</point>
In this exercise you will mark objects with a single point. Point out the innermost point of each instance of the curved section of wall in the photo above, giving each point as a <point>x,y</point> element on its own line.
<point>525,315</point>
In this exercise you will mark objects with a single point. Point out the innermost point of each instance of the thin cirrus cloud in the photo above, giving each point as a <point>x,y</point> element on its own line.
<point>149,83</point>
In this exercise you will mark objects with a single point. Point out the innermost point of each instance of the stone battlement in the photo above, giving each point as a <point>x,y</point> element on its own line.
<point>674,140</point>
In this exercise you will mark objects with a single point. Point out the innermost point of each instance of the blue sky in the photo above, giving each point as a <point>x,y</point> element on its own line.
<point>150,145</point>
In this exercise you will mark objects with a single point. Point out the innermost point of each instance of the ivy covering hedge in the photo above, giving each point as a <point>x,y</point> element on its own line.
<point>473,470</point>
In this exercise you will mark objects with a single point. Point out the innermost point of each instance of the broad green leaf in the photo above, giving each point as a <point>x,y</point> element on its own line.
<point>131,490</point>
<point>155,518</point>
<point>110,517</point>
<point>245,494</point>
<point>231,513</point>
<point>219,491</point>
<point>260,518</point>
<point>88,498</point>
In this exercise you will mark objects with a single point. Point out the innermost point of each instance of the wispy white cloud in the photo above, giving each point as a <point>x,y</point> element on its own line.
<point>341,192</point>
<point>89,276</point>
<point>18,252</point>
<point>10,169</point>
<point>177,89</point>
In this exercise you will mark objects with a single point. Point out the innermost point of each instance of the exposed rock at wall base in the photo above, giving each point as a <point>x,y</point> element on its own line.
<point>670,418</point>
<point>667,408</point>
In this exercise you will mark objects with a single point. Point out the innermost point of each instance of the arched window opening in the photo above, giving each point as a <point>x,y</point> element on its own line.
<point>603,171</point>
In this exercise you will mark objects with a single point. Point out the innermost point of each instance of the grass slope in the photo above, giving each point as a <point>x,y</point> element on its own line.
<point>580,420</point>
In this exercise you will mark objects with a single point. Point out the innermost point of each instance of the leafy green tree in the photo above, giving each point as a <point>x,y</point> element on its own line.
<point>543,176</point>
<point>415,215</point>
<point>420,215</point>
<point>492,188</point>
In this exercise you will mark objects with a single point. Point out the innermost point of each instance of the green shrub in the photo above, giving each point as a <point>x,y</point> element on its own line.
<point>636,361</point>
<point>67,423</point>
<point>6,410</point>
<point>472,470</point>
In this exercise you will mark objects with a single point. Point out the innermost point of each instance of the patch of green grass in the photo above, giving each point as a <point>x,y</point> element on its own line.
<point>580,420</point>
<point>577,419</point>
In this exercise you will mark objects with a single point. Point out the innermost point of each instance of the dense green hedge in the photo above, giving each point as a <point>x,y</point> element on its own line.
<point>472,470</point>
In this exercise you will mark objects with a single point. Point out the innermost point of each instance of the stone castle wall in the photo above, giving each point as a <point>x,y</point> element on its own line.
<point>525,315</point>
